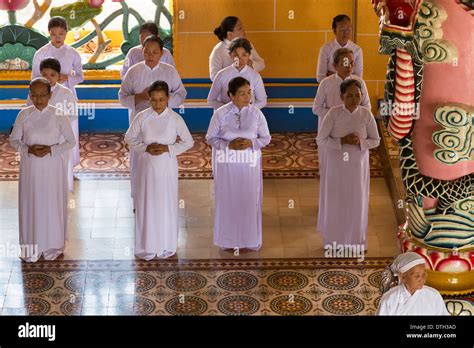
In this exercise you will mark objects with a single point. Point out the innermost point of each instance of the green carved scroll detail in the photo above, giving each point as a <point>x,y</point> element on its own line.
<point>76,14</point>
<point>455,141</point>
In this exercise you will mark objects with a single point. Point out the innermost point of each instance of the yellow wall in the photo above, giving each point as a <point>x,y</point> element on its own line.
<point>290,47</point>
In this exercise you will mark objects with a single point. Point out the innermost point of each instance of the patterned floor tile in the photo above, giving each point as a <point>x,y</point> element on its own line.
<point>105,157</point>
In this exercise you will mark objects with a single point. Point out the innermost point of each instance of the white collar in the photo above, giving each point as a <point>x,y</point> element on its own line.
<point>347,110</point>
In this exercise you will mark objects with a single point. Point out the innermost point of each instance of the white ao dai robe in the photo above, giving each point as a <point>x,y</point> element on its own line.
<point>218,93</point>
<point>62,98</point>
<point>70,60</point>
<point>345,180</point>
<point>135,55</point>
<point>139,77</point>
<point>43,186</point>
<point>220,58</point>
<point>156,196</point>
<point>238,183</point>
<point>328,95</point>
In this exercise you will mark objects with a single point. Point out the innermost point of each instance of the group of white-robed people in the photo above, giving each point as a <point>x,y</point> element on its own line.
<point>44,135</point>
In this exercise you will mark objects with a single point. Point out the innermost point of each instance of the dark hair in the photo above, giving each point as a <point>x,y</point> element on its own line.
<point>149,27</point>
<point>40,80</point>
<point>51,63</point>
<point>235,84</point>
<point>339,52</point>
<point>57,22</point>
<point>240,42</point>
<point>153,38</point>
<point>339,18</point>
<point>347,83</point>
<point>159,86</point>
<point>227,24</point>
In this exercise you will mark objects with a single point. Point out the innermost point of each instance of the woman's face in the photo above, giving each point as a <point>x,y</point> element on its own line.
<point>242,97</point>
<point>242,55</point>
<point>238,31</point>
<point>159,101</point>
<point>152,53</point>
<point>345,64</point>
<point>415,278</point>
<point>39,95</point>
<point>58,35</point>
<point>352,97</point>
<point>51,75</point>
<point>343,30</point>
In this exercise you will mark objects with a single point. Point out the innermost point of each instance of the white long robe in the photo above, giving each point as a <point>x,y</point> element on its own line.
<point>238,176</point>
<point>43,186</point>
<point>62,98</point>
<point>135,55</point>
<point>326,58</point>
<point>139,77</point>
<point>220,58</point>
<point>398,301</point>
<point>328,95</point>
<point>218,93</point>
<point>70,60</point>
<point>345,180</point>
<point>156,195</point>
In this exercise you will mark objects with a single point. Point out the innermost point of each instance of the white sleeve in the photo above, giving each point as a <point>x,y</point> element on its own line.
<point>215,63</point>
<point>365,101</point>
<point>213,134</point>
<point>16,136</point>
<point>168,58</point>
<point>126,93</point>
<point>186,141</point>
<point>127,64</point>
<point>324,135</point>
<point>373,138</point>
<point>384,308</point>
<point>263,133</point>
<point>213,99</point>
<point>319,106</point>
<point>260,93</point>
<point>323,61</point>
<point>257,62</point>
<point>133,136</point>
<point>359,63</point>
<point>68,135</point>
<point>177,91</point>
<point>35,65</point>
<point>78,76</point>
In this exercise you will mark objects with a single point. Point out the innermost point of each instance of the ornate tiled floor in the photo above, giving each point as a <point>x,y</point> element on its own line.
<point>192,287</point>
<point>104,156</point>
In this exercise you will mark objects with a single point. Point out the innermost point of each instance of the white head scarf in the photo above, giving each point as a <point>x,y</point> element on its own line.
<point>405,262</point>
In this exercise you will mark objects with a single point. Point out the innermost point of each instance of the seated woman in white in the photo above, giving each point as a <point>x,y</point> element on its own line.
<point>239,51</point>
<point>411,296</point>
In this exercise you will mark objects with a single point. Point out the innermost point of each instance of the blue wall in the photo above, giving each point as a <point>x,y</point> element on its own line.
<point>280,119</point>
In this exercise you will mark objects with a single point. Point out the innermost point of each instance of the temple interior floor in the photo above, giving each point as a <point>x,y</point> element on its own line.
<point>99,275</point>
<point>101,225</point>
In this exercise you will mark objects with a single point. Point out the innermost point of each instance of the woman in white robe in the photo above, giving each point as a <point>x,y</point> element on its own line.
<point>347,133</point>
<point>133,93</point>
<point>328,95</point>
<point>411,296</point>
<point>62,98</point>
<point>239,51</point>
<point>237,133</point>
<point>71,65</point>
<point>152,135</point>
<point>43,136</point>
<point>230,28</point>
<point>342,28</point>
<point>135,54</point>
